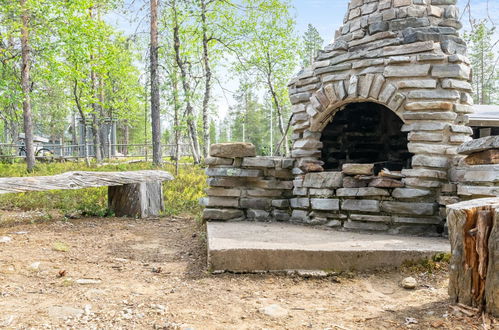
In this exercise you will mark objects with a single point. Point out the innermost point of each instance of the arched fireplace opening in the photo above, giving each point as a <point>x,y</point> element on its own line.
<point>365,133</point>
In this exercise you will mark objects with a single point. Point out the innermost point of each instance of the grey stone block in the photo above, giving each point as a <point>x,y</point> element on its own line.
<point>213,161</point>
<point>407,193</point>
<point>358,225</point>
<point>361,205</point>
<point>361,192</point>
<point>370,218</point>
<point>323,180</point>
<point>232,150</point>
<point>430,161</point>
<point>258,162</point>
<point>299,215</point>
<point>409,22</point>
<point>222,214</point>
<point>255,203</point>
<point>258,215</point>
<point>220,202</point>
<point>413,70</point>
<point>358,169</point>
<point>280,215</point>
<point>333,223</point>
<point>233,172</point>
<point>321,192</point>
<point>300,191</point>
<point>461,71</point>
<point>226,182</point>
<point>434,94</point>
<point>299,203</point>
<point>280,203</point>
<point>325,204</point>
<point>222,192</point>
<point>377,27</point>
<point>409,208</point>
<point>482,144</point>
<point>263,193</point>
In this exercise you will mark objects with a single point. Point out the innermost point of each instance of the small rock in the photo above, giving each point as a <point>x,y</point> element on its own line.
<point>274,311</point>
<point>410,320</point>
<point>35,265</point>
<point>8,321</point>
<point>409,283</point>
<point>5,239</point>
<point>88,309</point>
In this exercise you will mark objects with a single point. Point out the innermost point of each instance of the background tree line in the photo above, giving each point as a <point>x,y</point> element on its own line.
<point>62,61</point>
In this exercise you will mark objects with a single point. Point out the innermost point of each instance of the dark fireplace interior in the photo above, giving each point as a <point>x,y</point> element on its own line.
<point>365,133</point>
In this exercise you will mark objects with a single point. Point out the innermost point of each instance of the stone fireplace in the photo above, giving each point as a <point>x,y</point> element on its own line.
<point>365,133</point>
<point>376,125</point>
<point>381,110</point>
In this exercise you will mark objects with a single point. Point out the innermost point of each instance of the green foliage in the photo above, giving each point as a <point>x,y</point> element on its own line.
<point>311,43</point>
<point>181,195</point>
<point>438,262</point>
<point>68,45</point>
<point>250,120</point>
<point>484,60</point>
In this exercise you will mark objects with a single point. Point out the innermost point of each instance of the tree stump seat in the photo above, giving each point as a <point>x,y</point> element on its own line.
<point>132,193</point>
<point>474,266</point>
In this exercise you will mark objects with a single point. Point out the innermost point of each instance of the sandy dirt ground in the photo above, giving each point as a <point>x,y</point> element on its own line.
<point>117,273</point>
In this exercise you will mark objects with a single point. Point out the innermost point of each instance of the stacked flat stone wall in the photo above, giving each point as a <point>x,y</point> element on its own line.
<point>476,171</point>
<point>355,199</point>
<point>245,187</point>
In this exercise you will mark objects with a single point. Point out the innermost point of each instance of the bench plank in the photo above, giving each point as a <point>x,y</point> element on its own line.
<point>79,180</point>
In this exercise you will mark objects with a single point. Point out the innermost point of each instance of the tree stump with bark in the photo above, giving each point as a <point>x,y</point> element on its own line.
<point>474,268</point>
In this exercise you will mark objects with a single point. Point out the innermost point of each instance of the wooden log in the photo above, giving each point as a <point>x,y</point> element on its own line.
<point>79,180</point>
<point>139,200</point>
<point>474,267</point>
<point>483,158</point>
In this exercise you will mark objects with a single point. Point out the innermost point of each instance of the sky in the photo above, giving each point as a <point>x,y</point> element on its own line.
<point>326,16</point>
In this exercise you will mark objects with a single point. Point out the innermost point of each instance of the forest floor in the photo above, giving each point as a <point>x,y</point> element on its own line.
<point>112,273</point>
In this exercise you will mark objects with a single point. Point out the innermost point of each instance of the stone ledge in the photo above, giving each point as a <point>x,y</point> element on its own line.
<point>249,246</point>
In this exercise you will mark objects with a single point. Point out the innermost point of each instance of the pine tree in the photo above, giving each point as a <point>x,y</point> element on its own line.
<point>312,42</point>
<point>484,62</point>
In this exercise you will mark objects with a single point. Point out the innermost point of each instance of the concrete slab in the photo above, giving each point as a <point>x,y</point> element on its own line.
<point>256,246</point>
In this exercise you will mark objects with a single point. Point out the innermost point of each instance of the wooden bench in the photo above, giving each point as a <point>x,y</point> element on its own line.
<point>135,193</point>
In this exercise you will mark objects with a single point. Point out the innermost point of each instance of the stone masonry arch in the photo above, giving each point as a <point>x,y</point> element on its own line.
<point>404,54</point>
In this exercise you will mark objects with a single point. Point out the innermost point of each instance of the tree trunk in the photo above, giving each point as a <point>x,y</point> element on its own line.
<point>473,234</point>
<point>104,134</point>
<point>25,83</point>
<point>126,137</point>
<point>189,111</point>
<point>155,113</point>
<point>74,138</point>
<point>84,122</point>
<point>207,89</point>
<point>176,123</point>
<point>279,117</point>
<point>95,108</point>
